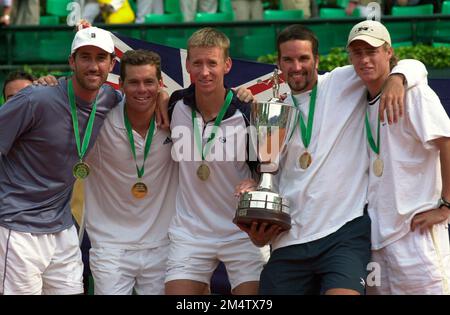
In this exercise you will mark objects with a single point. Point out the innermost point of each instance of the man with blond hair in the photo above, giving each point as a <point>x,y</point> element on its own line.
<point>409,177</point>
<point>208,129</point>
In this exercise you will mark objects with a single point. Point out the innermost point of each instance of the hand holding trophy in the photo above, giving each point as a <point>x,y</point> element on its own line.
<point>271,124</point>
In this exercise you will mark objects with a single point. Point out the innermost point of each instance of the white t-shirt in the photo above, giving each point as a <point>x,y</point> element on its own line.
<point>205,209</point>
<point>114,217</point>
<point>411,181</point>
<point>333,190</point>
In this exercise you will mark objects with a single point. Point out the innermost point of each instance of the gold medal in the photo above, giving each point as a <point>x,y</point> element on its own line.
<point>305,160</point>
<point>80,170</point>
<point>203,172</point>
<point>139,190</point>
<point>378,167</point>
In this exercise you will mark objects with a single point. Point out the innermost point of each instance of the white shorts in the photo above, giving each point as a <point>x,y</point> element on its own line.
<point>415,264</point>
<point>198,260</point>
<point>118,271</point>
<point>40,263</point>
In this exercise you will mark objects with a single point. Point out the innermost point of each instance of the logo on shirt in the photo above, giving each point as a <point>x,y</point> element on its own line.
<point>222,139</point>
<point>168,140</point>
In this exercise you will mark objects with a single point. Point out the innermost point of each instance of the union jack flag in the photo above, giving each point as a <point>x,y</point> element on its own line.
<point>252,75</point>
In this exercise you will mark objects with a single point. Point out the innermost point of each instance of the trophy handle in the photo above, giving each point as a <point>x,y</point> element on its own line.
<point>290,129</point>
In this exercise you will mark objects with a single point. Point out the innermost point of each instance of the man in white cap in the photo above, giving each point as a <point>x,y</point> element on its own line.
<point>409,178</point>
<point>45,134</point>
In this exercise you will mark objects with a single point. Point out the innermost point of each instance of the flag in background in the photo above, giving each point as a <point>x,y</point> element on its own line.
<point>243,73</point>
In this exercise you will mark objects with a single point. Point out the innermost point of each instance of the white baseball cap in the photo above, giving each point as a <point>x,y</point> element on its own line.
<point>372,32</point>
<point>93,36</point>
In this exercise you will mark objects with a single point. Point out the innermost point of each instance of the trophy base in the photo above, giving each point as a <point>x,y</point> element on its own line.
<point>263,206</point>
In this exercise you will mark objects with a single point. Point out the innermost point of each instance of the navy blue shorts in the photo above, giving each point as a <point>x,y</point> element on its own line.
<point>338,260</point>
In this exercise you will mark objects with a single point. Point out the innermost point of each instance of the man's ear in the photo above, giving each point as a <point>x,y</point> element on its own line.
<point>390,52</point>
<point>120,84</point>
<point>113,62</point>
<point>188,67</point>
<point>228,64</point>
<point>72,62</point>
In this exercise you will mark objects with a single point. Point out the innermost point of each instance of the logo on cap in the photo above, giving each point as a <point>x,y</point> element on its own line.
<point>372,32</point>
<point>92,35</point>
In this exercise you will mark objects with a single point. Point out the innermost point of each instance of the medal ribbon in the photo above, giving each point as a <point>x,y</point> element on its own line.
<point>87,135</point>
<point>204,152</point>
<point>375,147</point>
<point>148,141</point>
<point>306,131</point>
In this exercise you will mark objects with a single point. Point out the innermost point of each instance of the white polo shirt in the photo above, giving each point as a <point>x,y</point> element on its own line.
<point>333,190</point>
<point>114,218</point>
<point>411,181</point>
<point>205,209</point>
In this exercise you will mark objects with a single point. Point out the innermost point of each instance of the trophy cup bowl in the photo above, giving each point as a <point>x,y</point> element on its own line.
<point>271,124</point>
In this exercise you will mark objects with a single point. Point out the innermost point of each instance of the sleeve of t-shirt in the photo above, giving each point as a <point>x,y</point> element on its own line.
<point>341,76</point>
<point>119,97</point>
<point>428,117</point>
<point>413,70</point>
<point>16,117</point>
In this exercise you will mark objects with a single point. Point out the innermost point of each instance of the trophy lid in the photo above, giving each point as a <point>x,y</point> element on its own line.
<point>275,99</point>
<point>276,84</point>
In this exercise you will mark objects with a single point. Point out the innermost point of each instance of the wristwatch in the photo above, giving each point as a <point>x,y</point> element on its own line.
<point>443,203</point>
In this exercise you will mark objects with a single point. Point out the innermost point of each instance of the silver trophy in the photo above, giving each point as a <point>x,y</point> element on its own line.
<point>271,126</point>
